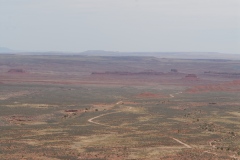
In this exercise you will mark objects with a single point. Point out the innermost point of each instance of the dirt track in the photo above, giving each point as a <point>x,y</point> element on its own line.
<point>91,119</point>
<point>186,145</point>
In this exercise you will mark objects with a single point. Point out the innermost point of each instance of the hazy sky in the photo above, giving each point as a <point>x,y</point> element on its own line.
<point>121,25</point>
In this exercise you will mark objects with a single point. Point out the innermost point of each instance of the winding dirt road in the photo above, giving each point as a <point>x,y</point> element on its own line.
<point>102,124</point>
<point>91,119</point>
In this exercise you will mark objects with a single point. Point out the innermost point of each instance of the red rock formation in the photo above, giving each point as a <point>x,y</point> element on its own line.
<point>16,71</point>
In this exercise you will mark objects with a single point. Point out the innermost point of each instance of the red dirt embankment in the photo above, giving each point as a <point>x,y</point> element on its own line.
<point>227,86</point>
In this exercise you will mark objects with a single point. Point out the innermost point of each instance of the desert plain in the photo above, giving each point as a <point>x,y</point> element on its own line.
<point>118,107</point>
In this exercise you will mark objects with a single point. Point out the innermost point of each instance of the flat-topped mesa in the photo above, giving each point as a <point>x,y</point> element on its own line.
<point>16,71</point>
<point>128,73</point>
<point>225,74</point>
<point>174,70</point>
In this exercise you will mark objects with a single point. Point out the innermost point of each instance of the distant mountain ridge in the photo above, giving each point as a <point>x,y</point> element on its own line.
<point>177,55</point>
<point>5,50</point>
<point>174,55</point>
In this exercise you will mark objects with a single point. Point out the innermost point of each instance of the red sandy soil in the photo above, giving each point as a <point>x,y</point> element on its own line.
<point>227,86</point>
<point>150,95</point>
